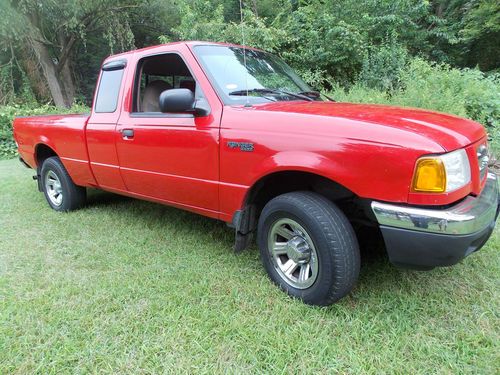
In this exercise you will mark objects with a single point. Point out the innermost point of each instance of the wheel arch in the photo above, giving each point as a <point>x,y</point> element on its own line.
<point>276,183</point>
<point>287,180</point>
<point>302,167</point>
<point>42,152</point>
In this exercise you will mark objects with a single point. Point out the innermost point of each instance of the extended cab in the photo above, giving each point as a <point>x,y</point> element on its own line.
<point>234,134</point>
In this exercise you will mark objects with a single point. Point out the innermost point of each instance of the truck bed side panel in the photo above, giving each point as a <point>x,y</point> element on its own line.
<point>63,134</point>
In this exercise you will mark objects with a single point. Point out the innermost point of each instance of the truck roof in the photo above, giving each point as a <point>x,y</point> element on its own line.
<point>166,46</point>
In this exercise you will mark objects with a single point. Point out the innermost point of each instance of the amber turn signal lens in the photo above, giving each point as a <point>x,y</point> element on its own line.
<point>430,176</point>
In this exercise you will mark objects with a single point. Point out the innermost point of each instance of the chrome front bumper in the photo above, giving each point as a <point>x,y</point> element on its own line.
<point>424,238</point>
<point>469,216</point>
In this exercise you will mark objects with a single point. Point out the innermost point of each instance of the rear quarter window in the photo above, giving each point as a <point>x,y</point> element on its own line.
<point>108,91</point>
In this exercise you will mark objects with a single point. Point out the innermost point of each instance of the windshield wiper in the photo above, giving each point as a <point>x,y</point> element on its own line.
<point>258,91</point>
<point>315,95</point>
<point>271,91</point>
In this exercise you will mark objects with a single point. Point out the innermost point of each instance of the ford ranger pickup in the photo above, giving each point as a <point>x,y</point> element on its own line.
<point>232,133</point>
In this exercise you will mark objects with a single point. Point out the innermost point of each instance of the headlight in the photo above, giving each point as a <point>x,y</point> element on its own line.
<point>443,173</point>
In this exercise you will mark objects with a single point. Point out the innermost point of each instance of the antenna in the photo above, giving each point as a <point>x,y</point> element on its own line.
<point>247,104</point>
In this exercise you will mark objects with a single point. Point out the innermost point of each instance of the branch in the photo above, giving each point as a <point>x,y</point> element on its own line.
<point>68,48</point>
<point>87,21</point>
<point>11,57</point>
<point>44,41</point>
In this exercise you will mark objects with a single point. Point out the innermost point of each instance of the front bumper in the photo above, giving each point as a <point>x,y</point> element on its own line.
<point>425,238</point>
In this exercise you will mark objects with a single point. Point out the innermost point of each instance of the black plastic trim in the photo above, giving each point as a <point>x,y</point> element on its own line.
<point>244,222</point>
<point>24,163</point>
<point>114,65</point>
<point>423,250</point>
<point>177,101</point>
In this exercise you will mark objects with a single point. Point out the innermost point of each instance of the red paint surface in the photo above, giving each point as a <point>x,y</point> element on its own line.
<point>185,162</point>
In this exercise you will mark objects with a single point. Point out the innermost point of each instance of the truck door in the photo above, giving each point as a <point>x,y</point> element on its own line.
<point>173,158</point>
<point>101,127</point>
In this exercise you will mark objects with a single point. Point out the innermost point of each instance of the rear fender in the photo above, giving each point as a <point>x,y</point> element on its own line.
<point>43,141</point>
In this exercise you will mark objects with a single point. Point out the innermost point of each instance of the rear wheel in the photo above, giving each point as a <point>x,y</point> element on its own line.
<point>59,189</point>
<point>308,247</point>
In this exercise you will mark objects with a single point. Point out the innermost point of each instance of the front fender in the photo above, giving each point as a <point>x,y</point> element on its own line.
<point>303,161</point>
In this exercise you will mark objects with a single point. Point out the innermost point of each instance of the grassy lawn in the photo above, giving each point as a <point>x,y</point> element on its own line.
<point>125,286</point>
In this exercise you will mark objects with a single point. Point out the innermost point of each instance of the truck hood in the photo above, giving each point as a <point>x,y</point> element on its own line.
<point>450,132</point>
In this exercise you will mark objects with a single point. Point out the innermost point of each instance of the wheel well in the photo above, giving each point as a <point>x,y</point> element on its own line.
<point>43,152</point>
<point>279,183</point>
<point>356,209</point>
<point>245,220</point>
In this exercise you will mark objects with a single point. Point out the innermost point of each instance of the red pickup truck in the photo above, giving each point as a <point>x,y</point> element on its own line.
<point>232,133</point>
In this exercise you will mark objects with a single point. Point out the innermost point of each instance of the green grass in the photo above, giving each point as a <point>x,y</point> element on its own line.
<point>125,286</point>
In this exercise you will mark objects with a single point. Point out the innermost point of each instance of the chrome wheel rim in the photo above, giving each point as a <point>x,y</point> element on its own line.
<point>293,253</point>
<point>53,188</point>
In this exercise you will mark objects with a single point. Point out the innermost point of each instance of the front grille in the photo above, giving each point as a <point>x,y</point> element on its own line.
<point>482,159</point>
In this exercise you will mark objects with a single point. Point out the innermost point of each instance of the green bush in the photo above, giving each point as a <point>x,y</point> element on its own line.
<point>383,65</point>
<point>8,113</point>
<point>466,92</point>
<point>7,149</point>
<point>463,92</point>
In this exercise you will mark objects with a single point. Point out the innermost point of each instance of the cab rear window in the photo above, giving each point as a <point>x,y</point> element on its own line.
<point>109,89</point>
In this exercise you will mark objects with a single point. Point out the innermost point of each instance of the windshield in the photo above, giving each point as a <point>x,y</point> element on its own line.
<point>266,77</point>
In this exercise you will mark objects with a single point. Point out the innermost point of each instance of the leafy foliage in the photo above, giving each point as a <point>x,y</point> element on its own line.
<point>383,66</point>
<point>481,34</point>
<point>326,42</point>
<point>253,31</point>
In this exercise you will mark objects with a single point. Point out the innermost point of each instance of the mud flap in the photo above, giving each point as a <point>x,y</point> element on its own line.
<point>244,223</point>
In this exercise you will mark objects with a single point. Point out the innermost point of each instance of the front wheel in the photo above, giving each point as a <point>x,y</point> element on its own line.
<point>308,247</point>
<point>59,189</point>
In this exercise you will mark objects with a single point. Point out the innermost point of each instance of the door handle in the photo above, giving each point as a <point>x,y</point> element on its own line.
<point>127,133</point>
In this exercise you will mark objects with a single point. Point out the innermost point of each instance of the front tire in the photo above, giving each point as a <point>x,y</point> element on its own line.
<point>308,247</point>
<point>59,189</point>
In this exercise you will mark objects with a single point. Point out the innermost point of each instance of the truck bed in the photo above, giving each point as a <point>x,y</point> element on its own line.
<point>63,134</point>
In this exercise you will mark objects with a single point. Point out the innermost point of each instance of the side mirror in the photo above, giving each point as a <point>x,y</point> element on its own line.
<point>177,101</point>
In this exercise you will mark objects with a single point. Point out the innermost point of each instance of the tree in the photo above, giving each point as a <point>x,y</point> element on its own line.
<point>53,48</point>
<point>481,34</point>
<point>52,30</point>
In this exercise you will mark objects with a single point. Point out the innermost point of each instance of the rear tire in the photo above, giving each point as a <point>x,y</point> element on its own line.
<point>308,247</point>
<point>59,189</point>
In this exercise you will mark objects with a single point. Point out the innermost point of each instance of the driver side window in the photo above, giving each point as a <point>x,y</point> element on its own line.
<point>156,74</point>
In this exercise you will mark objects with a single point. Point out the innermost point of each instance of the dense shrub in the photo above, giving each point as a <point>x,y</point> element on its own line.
<point>383,66</point>
<point>8,113</point>
<point>7,148</point>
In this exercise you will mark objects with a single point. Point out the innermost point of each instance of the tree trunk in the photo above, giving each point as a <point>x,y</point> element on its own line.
<point>56,76</point>
<point>38,83</point>
<point>66,78</point>
<point>64,66</point>
<point>50,72</point>
<point>255,10</point>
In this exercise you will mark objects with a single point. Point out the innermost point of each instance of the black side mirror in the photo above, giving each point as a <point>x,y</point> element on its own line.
<point>177,101</point>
